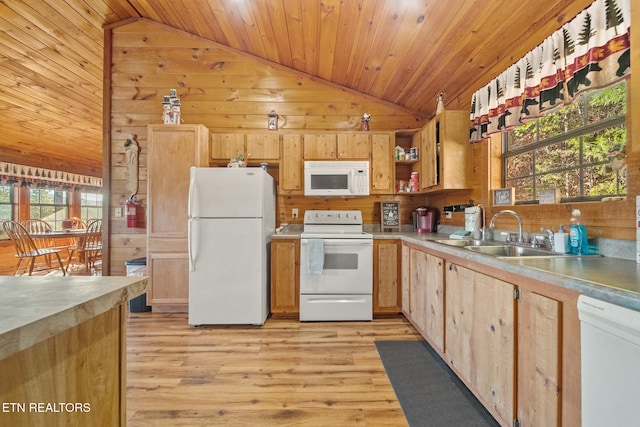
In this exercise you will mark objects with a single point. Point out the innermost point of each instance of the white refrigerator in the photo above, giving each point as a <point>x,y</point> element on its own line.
<point>231,219</point>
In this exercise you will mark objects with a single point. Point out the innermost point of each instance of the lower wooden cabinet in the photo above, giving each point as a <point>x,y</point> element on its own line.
<point>539,360</point>
<point>170,281</point>
<point>480,337</point>
<point>285,278</point>
<point>514,342</point>
<point>387,292</point>
<point>423,290</point>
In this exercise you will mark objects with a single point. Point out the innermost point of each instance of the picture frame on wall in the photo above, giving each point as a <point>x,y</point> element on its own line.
<point>390,216</point>
<point>504,196</point>
<point>549,196</point>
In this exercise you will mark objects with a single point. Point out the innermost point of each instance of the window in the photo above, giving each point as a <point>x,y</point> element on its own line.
<point>50,205</point>
<point>6,205</point>
<point>90,205</point>
<point>576,148</point>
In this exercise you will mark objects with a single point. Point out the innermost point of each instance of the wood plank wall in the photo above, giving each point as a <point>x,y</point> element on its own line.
<point>221,88</point>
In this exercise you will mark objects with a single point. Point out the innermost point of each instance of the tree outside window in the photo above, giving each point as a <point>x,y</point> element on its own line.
<point>6,206</point>
<point>578,149</point>
<point>50,205</point>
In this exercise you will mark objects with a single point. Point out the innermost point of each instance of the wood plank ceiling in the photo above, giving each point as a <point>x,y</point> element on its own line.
<point>401,51</point>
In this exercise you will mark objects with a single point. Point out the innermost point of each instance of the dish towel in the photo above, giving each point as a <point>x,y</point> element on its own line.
<point>316,256</point>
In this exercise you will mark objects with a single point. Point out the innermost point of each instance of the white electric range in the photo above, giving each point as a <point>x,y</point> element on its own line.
<point>336,267</point>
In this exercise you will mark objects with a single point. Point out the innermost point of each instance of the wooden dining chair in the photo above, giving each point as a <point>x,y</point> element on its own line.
<point>41,227</point>
<point>93,243</point>
<point>26,249</point>
<point>88,248</point>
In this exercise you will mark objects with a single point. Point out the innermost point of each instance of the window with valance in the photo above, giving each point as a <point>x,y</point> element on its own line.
<point>590,51</point>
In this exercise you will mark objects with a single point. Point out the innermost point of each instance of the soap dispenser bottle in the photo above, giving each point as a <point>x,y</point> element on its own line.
<point>578,241</point>
<point>561,240</point>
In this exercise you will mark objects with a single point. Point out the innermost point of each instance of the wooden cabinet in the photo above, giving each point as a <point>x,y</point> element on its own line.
<point>320,146</point>
<point>387,292</point>
<point>291,165</point>
<point>262,146</point>
<point>173,150</point>
<point>329,146</point>
<point>226,146</point>
<point>354,145</point>
<point>480,337</point>
<point>285,277</point>
<point>418,266</point>
<point>516,347</point>
<point>403,168</point>
<point>539,360</point>
<point>406,281</point>
<point>423,293</point>
<point>446,152</point>
<point>252,146</point>
<point>382,164</point>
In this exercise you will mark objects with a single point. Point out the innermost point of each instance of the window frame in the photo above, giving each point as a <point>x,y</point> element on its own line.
<point>56,224</point>
<point>11,205</point>
<point>577,133</point>
<point>84,208</point>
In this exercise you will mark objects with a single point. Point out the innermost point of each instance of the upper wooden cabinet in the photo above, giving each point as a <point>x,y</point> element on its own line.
<point>291,167</point>
<point>403,167</point>
<point>381,167</point>
<point>327,146</point>
<point>172,150</point>
<point>262,146</point>
<point>252,146</point>
<point>320,146</point>
<point>446,152</point>
<point>354,145</point>
<point>226,146</point>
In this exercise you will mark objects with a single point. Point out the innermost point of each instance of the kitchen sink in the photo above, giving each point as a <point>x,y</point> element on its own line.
<point>468,242</point>
<point>512,251</point>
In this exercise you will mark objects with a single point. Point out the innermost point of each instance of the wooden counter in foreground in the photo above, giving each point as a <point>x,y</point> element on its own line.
<point>62,349</point>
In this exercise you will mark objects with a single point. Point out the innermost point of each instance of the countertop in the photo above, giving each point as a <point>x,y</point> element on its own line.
<point>35,308</point>
<point>609,279</point>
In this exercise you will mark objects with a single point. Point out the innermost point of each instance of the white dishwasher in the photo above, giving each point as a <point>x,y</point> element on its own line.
<point>610,349</point>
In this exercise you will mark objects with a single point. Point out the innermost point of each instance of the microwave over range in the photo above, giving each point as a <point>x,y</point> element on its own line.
<point>336,178</point>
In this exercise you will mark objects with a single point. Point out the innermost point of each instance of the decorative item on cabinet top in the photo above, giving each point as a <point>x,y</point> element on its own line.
<point>273,120</point>
<point>171,109</point>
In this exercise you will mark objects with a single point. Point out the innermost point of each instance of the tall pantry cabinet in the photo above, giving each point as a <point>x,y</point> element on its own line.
<point>173,150</point>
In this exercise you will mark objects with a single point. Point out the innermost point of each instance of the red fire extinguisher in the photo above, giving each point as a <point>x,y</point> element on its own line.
<point>132,212</point>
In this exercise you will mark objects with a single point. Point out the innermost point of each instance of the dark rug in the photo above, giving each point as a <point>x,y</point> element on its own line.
<point>429,393</point>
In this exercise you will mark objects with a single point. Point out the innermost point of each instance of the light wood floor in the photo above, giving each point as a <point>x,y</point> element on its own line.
<point>285,373</point>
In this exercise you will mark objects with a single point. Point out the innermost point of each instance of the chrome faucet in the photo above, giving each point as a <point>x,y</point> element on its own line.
<point>549,237</point>
<point>507,211</point>
<point>484,226</point>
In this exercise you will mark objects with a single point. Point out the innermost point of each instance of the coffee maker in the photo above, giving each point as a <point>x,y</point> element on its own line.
<point>424,220</point>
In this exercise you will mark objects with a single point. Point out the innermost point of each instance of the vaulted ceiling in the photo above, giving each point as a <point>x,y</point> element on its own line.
<point>401,51</point>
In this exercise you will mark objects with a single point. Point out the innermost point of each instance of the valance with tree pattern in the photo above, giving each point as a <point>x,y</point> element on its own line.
<point>590,51</point>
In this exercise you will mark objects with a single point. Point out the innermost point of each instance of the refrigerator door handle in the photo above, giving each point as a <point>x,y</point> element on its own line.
<point>191,189</point>
<point>191,238</point>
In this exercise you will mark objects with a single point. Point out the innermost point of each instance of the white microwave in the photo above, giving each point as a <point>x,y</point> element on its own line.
<point>336,178</point>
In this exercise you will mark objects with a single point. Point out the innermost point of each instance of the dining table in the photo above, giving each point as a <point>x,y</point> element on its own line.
<point>74,244</point>
<point>61,234</point>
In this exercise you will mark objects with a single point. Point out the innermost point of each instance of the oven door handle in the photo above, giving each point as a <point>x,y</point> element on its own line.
<point>341,242</point>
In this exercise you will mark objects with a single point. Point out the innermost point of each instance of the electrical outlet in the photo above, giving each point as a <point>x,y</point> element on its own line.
<point>118,213</point>
<point>294,213</point>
